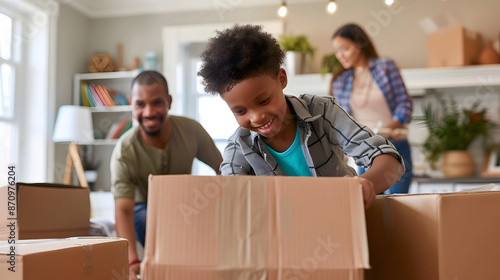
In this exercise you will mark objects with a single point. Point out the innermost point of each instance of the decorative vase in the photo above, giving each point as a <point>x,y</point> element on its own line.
<point>294,63</point>
<point>489,55</point>
<point>457,164</point>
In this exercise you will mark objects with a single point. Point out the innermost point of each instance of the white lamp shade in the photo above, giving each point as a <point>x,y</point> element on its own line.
<point>73,124</point>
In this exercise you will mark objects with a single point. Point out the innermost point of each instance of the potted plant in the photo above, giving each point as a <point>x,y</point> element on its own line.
<point>298,49</point>
<point>329,64</point>
<point>451,131</point>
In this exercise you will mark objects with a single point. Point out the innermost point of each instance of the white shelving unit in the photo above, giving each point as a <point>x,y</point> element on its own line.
<point>121,80</point>
<point>416,80</point>
<point>104,117</point>
<point>451,77</point>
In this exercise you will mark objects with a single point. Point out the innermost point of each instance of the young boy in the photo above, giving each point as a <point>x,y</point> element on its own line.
<point>287,135</point>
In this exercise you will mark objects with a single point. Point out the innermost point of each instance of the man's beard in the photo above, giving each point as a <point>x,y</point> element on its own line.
<point>152,132</point>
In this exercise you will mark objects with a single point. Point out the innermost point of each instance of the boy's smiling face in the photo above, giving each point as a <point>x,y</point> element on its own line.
<point>258,104</point>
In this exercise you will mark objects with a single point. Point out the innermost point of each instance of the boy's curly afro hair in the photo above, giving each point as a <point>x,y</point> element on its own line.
<point>238,53</point>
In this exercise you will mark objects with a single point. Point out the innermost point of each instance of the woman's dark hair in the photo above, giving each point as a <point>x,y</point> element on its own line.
<point>238,53</point>
<point>357,35</point>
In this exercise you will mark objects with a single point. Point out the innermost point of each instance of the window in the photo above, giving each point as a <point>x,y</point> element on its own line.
<point>26,30</point>
<point>181,55</point>
<point>8,146</point>
<point>209,110</point>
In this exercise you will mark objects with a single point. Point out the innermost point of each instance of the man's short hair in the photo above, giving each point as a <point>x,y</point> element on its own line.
<point>150,77</point>
<point>239,53</point>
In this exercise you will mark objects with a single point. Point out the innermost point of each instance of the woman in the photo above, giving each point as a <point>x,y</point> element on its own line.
<point>372,91</point>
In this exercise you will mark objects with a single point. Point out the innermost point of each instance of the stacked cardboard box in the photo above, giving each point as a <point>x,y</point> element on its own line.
<point>453,47</point>
<point>31,211</point>
<point>451,236</point>
<point>248,227</point>
<point>63,259</point>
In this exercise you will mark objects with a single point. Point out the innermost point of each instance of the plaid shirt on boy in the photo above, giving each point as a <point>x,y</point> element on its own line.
<point>326,133</point>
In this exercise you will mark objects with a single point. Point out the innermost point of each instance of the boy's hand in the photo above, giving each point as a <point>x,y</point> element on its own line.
<point>368,190</point>
<point>134,270</point>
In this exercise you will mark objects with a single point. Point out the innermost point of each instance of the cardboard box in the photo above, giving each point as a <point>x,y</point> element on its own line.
<point>248,227</point>
<point>63,259</point>
<point>434,236</point>
<point>32,211</point>
<point>453,47</point>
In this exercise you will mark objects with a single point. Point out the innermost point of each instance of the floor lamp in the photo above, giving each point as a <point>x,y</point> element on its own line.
<point>74,126</point>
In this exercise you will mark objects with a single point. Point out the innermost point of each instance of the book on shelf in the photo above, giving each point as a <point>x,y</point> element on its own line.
<point>93,95</point>
<point>127,127</point>
<point>96,96</point>
<point>117,129</point>
<point>83,97</point>
<point>120,98</point>
<point>104,96</point>
<point>88,95</point>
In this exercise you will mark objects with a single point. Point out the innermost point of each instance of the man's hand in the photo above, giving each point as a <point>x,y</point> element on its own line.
<point>133,270</point>
<point>368,190</point>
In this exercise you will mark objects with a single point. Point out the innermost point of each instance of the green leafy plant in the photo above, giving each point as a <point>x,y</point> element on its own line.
<point>452,128</point>
<point>329,64</point>
<point>298,43</point>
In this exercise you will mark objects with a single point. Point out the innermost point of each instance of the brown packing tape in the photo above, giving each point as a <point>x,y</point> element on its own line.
<point>243,212</point>
<point>87,259</point>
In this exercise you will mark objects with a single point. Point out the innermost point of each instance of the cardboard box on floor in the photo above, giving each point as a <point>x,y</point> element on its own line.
<point>248,227</point>
<point>434,236</point>
<point>44,211</point>
<point>64,259</point>
<point>453,47</point>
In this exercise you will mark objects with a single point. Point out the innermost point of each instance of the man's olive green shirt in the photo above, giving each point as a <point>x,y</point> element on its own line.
<point>132,160</point>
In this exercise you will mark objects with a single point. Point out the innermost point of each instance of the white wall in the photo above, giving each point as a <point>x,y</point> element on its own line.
<point>72,45</point>
<point>399,35</point>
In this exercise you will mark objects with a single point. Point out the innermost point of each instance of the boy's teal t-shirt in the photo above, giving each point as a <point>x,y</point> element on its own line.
<point>292,161</point>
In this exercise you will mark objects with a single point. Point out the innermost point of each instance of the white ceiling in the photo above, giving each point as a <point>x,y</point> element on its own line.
<point>113,8</point>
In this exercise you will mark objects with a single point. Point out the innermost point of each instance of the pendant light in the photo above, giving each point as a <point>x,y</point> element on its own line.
<point>388,2</point>
<point>282,10</point>
<point>331,7</point>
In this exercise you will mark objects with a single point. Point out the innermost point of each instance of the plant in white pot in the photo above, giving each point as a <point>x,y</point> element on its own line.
<point>329,64</point>
<point>451,131</point>
<point>298,50</point>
